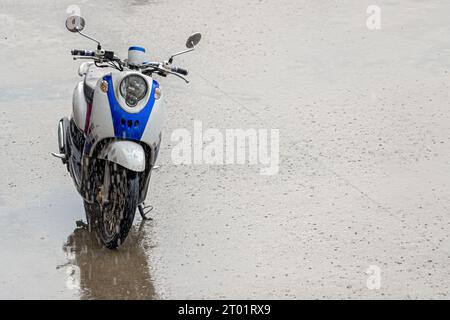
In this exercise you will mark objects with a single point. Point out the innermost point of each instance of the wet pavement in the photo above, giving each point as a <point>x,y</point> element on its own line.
<point>364,148</point>
<point>55,259</point>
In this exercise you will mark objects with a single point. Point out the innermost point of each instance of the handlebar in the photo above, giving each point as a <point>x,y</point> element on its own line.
<point>162,68</point>
<point>88,53</point>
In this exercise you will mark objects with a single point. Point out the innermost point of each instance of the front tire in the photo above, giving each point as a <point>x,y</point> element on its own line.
<point>113,220</point>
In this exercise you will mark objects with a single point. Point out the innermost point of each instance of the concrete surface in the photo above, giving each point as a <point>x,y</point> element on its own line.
<point>364,149</point>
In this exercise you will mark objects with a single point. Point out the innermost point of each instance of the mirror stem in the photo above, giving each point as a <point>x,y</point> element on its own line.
<point>99,47</point>
<point>179,53</point>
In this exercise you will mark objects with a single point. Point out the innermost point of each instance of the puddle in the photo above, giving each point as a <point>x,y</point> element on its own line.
<point>100,273</point>
<point>44,255</point>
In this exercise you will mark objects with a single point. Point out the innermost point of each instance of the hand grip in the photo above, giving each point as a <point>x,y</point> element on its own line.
<point>180,70</point>
<point>76,52</point>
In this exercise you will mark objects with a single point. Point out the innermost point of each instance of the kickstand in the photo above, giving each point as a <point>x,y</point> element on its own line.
<point>144,211</point>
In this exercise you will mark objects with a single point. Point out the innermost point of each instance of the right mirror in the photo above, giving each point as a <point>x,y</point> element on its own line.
<point>75,23</point>
<point>193,40</point>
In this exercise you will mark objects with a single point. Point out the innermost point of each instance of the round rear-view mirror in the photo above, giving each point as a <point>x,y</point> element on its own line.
<point>75,23</point>
<point>193,40</point>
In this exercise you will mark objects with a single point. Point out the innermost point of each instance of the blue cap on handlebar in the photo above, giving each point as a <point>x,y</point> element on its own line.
<point>134,48</point>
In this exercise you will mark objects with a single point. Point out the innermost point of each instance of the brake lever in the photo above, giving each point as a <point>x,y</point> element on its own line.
<point>85,58</point>
<point>179,76</point>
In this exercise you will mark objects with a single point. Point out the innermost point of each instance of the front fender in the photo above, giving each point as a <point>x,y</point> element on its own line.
<point>128,154</point>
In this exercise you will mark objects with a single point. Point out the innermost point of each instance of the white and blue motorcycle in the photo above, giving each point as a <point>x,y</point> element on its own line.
<point>111,140</point>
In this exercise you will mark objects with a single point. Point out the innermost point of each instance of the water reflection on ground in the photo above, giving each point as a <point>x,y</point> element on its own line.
<point>100,273</point>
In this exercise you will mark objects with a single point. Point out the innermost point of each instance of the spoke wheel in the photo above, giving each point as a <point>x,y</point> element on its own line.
<point>115,208</point>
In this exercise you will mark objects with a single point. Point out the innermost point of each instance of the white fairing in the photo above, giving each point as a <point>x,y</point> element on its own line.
<point>79,106</point>
<point>128,154</point>
<point>84,67</point>
<point>93,75</point>
<point>101,121</point>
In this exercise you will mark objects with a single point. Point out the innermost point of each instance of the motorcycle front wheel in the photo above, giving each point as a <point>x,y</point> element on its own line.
<point>112,219</point>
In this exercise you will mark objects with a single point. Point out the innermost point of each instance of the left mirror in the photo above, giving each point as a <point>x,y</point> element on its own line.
<point>75,23</point>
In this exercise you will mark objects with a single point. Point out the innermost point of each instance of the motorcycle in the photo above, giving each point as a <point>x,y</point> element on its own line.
<point>111,140</point>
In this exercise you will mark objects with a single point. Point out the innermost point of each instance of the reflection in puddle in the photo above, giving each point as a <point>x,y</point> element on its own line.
<point>100,273</point>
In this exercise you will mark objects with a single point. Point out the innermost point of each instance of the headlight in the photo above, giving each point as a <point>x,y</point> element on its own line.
<point>133,88</point>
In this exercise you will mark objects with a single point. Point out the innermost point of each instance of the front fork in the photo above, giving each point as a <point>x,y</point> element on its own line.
<point>102,195</point>
<point>103,191</point>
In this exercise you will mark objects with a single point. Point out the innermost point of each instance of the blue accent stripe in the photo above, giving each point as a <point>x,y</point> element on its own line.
<point>136,49</point>
<point>129,126</point>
